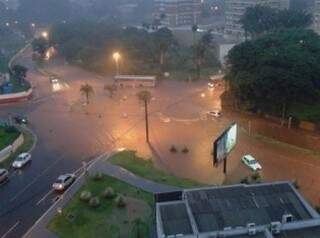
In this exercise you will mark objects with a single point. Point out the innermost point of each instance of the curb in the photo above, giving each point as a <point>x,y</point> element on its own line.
<point>61,198</point>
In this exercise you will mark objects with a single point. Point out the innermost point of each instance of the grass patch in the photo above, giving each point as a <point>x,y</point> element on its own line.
<point>107,220</point>
<point>146,169</point>
<point>8,135</point>
<point>29,140</point>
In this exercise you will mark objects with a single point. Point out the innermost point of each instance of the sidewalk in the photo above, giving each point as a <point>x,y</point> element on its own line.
<point>39,230</point>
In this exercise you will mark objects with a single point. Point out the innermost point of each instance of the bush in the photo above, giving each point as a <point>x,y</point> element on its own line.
<point>11,129</point>
<point>85,196</point>
<point>94,202</point>
<point>256,177</point>
<point>245,180</point>
<point>185,150</point>
<point>120,201</point>
<point>173,149</point>
<point>108,193</point>
<point>97,176</point>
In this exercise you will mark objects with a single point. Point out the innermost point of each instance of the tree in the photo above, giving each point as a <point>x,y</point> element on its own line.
<point>111,88</point>
<point>274,72</point>
<point>145,97</point>
<point>200,51</point>
<point>163,39</point>
<point>40,45</point>
<point>20,72</point>
<point>259,20</point>
<point>194,29</point>
<point>87,90</point>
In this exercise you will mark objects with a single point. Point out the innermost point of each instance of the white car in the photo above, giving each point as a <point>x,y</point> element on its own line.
<point>3,175</point>
<point>22,160</point>
<point>251,162</point>
<point>214,113</point>
<point>63,182</point>
<point>54,80</point>
<point>211,85</point>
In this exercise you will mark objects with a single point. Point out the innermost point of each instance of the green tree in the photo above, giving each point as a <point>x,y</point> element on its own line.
<point>194,30</point>
<point>87,90</point>
<point>40,45</point>
<point>19,72</point>
<point>259,20</point>
<point>145,97</point>
<point>163,39</point>
<point>276,71</point>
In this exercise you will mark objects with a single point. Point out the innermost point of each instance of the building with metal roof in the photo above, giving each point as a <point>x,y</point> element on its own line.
<point>239,211</point>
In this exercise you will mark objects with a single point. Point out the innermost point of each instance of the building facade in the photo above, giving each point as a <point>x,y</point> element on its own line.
<point>316,16</point>
<point>235,9</point>
<point>175,13</point>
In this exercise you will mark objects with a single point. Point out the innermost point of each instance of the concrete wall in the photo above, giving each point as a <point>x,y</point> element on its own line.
<point>15,97</point>
<point>6,152</point>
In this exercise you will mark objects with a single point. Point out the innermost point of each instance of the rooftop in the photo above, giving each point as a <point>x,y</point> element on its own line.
<point>231,209</point>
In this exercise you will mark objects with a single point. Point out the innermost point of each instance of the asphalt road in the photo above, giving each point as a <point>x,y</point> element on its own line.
<point>28,194</point>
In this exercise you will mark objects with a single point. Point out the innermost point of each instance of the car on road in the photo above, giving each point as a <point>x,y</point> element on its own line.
<point>63,182</point>
<point>53,80</point>
<point>22,160</point>
<point>20,120</point>
<point>4,175</point>
<point>215,113</point>
<point>211,85</point>
<point>251,162</point>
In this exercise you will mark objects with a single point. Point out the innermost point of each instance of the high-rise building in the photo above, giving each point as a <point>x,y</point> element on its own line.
<point>173,13</point>
<point>316,16</point>
<point>236,8</point>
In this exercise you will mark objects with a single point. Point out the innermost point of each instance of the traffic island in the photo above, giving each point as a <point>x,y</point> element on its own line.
<point>105,207</point>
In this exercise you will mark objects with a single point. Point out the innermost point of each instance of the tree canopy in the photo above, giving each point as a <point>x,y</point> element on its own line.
<point>276,70</point>
<point>259,19</point>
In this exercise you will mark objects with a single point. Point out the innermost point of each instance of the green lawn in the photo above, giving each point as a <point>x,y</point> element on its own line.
<point>7,136</point>
<point>27,144</point>
<point>107,220</point>
<point>146,169</point>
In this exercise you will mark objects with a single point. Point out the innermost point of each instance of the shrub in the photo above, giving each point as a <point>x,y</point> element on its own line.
<point>256,177</point>
<point>185,150</point>
<point>85,196</point>
<point>296,184</point>
<point>108,193</point>
<point>97,176</point>
<point>11,129</point>
<point>245,180</point>
<point>120,201</point>
<point>173,149</point>
<point>94,202</point>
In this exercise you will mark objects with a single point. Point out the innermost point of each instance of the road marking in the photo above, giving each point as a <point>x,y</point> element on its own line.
<point>44,197</point>
<point>30,184</point>
<point>11,229</point>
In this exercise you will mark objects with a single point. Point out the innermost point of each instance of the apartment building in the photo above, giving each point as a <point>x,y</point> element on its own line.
<point>236,8</point>
<point>174,13</point>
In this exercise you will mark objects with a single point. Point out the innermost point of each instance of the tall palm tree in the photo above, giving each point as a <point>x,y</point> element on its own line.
<point>87,90</point>
<point>145,96</point>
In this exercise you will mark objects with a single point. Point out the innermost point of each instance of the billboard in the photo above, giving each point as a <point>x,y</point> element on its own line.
<point>224,144</point>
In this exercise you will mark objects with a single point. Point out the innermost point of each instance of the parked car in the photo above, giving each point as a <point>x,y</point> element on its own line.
<point>251,162</point>
<point>21,160</point>
<point>4,175</point>
<point>63,182</point>
<point>20,120</point>
<point>214,113</point>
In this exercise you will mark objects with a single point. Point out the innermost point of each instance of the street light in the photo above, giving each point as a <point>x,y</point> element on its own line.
<point>45,34</point>
<point>116,56</point>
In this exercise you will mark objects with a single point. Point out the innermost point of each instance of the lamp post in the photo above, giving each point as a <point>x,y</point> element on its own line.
<point>116,56</point>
